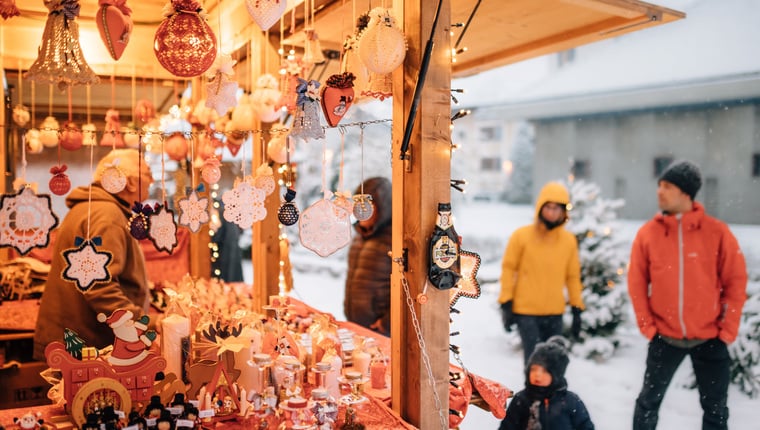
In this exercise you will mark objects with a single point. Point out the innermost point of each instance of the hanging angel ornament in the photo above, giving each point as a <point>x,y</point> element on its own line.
<point>114,20</point>
<point>265,13</point>
<point>306,122</point>
<point>221,93</point>
<point>184,43</point>
<point>26,219</point>
<point>193,211</point>
<point>265,98</point>
<point>60,60</point>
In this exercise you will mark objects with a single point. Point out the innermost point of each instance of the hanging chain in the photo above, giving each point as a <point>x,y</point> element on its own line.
<point>423,348</point>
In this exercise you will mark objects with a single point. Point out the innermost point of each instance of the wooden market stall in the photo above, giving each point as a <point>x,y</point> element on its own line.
<point>495,32</point>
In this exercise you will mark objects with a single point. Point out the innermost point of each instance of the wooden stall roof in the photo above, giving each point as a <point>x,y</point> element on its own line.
<point>494,33</point>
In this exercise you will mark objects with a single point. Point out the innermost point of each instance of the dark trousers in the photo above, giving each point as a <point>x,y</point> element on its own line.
<point>711,367</point>
<point>534,329</point>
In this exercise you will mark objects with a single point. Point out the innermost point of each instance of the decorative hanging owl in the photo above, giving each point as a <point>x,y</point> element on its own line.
<point>184,43</point>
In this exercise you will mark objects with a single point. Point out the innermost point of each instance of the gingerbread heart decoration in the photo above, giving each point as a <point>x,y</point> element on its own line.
<point>337,96</point>
<point>114,22</point>
<point>266,12</point>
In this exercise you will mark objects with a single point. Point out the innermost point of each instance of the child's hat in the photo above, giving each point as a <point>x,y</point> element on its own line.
<point>552,356</point>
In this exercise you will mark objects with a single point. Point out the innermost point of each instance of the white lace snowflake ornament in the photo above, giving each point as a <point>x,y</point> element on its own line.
<point>113,178</point>
<point>163,230</point>
<point>26,219</point>
<point>193,211</point>
<point>221,92</point>
<point>244,203</point>
<point>324,227</point>
<point>265,179</point>
<point>85,265</point>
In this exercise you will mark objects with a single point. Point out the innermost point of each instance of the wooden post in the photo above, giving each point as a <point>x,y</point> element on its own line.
<point>419,183</point>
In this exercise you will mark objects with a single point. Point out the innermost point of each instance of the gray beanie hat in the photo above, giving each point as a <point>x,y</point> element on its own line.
<point>684,175</point>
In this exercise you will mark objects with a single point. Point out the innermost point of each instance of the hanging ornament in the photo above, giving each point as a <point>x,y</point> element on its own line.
<point>176,146</point>
<point>244,203</point>
<point>114,20</point>
<point>184,44</point>
<point>279,145</point>
<point>20,115</point>
<point>344,201</point>
<point>382,46</point>
<point>71,137</point>
<point>324,228</point>
<point>210,172</point>
<point>380,86</point>
<point>130,135</point>
<point>468,285</point>
<point>265,98</point>
<point>33,142</point>
<point>112,131</point>
<point>163,231</point>
<point>113,178</point>
<point>337,96</point>
<point>144,111</point>
<point>89,135</point>
<point>288,212</point>
<point>222,90</point>
<point>306,122</point>
<point>26,219</point>
<point>264,179</point>
<point>85,265</point>
<point>59,184</point>
<point>313,49</point>
<point>266,12</point>
<point>351,62</point>
<point>8,9</point>
<point>235,138</point>
<point>193,211</point>
<point>49,132</point>
<point>139,221</point>
<point>60,60</point>
<point>363,207</point>
<point>243,116</point>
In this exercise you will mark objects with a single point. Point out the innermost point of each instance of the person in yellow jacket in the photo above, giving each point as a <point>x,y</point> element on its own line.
<point>540,262</point>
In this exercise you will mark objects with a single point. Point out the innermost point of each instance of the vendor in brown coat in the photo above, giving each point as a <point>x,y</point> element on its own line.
<point>63,305</point>
<point>368,282</point>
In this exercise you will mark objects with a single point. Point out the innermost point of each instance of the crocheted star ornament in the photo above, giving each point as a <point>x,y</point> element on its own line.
<point>163,230</point>
<point>26,219</point>
<point>193,211</point>
<point>85,265</point>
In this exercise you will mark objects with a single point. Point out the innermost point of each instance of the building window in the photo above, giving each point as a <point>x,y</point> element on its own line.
<point>660,164</point>
<point>490,164</point>
<point>581,169</point>
<point>565,57</point>
<point>756,165</point>
<point>489,134</point>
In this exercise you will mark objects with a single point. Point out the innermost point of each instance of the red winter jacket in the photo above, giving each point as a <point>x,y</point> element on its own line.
<point>687,278</point>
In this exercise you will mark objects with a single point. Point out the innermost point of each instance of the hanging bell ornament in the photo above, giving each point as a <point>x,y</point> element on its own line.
<point>288,212</point>
<point>59,184</point>
<point>363,207</point>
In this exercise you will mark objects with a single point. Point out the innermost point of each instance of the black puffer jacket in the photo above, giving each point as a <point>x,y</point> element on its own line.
<point>368,280</point>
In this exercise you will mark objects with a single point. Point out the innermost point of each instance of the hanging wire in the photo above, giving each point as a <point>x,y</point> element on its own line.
<point>342,131</point>
<point>361,146</point>
<point>89,187</point>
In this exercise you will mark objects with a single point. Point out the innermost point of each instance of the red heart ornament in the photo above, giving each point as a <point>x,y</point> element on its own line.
<point>337,96</point>
<point>114,22</point>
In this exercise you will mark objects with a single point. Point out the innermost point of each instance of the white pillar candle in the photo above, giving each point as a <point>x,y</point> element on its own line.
<point>202,398</point>
<point>361,361</point>
<point>247,378</point>
<point>243,402</point>
<point>173,329</point>
<point>331,379</point>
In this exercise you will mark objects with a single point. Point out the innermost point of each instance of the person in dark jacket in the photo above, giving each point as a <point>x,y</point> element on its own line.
<point>546,403</point>
<point>368,281</point>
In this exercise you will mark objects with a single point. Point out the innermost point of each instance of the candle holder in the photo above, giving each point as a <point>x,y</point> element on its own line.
<point>356,381</point>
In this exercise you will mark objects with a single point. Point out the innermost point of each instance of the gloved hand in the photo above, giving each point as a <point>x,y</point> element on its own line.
<point>575,329</point>
<point>507,317</point>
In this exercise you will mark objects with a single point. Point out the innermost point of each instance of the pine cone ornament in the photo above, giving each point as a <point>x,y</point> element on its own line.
<point>288,212</point>
<point>59,184</point>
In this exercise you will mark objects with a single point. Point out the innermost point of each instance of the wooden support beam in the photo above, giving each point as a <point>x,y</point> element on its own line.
<point>419,184</point>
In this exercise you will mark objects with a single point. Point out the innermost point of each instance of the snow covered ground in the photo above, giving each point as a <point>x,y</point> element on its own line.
<point>609,389</point>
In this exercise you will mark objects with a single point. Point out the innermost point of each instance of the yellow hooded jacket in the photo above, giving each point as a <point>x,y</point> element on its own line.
<point>538,263</point>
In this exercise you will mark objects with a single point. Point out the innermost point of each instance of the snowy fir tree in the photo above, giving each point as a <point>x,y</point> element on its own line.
<point>745,351</point>
<point>521,156</point>
<point>603,260</point>
<point>73,343</point>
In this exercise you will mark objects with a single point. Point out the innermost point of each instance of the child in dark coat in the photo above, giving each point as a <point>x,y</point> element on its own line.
<point>545,403</point>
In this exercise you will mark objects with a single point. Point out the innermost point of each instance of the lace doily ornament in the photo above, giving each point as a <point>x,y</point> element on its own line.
<point>210,172</point>
<point>266,12</point>
<point>139,221</point>
<point>59,184</point>
<point>60,60</point>
<point>26,219</point>
<point>184,43</point>
<point>264,179</point>
<point>323,228</point>
<point>193,211</point>
<point>363,207</point>
<point>222,90</point>
<point>112,130</point>
<point>71,137</point>
<point>113,178</point>
<point>20,114</point>
<point>89,135</point>
<point>114,22</point>
<point>33,143</point>
<point>85,265</point>
<point>337,97</point>
<point>244,204</point>
<point>8,9</point>
<point>277,147</point>
<point>49,132</point>
<point>306,122</point>
<point>163,231</point>
<point>382,46</point>
<point>265,98</point>
<point>288,212</point>
<point>176,146</point>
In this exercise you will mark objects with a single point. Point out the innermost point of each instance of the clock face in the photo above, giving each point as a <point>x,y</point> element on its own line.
<point>95,395</point>
<point>445,252</point>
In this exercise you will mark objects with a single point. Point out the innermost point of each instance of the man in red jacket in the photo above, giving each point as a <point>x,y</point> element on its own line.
<point>687,281</point>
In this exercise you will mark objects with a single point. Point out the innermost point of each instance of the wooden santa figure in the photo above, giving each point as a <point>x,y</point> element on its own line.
<point>132,339</point>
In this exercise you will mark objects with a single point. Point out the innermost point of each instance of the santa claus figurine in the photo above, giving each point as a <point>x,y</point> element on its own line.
<point>132,339</point>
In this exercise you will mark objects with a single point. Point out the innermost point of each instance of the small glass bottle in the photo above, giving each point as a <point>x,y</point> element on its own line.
<point>444,251</point>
